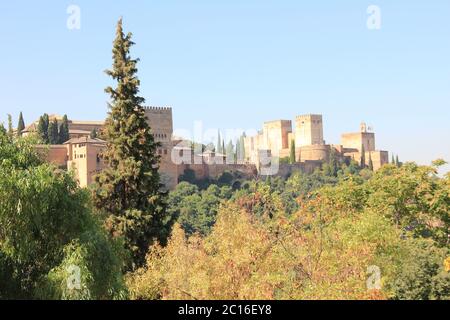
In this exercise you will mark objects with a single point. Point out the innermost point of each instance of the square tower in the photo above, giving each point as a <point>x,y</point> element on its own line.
<point>308,130</point>
<point>276,135</point>
<point>161,123</point>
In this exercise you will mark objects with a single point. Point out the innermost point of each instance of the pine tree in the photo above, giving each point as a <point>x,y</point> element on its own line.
<point>393,159</point>
<point>42,128</point>
<point>64,130</point>
<point>370,162</point>
<point>10,126</point>
<point>53,133</point>
<point>292,159</point>
<point>20,125</point>
<point>129,189</point>
<point>397,162</point>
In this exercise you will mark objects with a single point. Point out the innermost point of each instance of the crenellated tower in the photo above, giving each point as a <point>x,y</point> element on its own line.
<point>309,130</point>
<point>161,122</point>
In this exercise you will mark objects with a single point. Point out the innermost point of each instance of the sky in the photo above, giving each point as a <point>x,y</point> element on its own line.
<point>238,63</point>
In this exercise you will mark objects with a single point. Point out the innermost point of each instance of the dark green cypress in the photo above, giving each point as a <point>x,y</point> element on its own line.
<point>64,130</point>
<point>42,128</point>
<point>53,133</point>
<point>129,190</point>
<point>363,157</point>
<point>370,162</point>
<point>20,125</point>
<point>292,159</point>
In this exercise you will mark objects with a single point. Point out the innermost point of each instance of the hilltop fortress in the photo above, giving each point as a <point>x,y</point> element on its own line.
<point>82,153</point>
<point>278,137</point>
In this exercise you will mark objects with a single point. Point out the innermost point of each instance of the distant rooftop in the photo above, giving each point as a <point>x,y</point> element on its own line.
<point>85,140</point>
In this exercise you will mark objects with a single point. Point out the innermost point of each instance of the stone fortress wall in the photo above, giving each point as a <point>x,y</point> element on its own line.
<point>310,145</point>
<point>82,153</point>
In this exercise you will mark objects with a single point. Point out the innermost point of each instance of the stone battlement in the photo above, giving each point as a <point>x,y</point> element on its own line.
<point>151,109</point>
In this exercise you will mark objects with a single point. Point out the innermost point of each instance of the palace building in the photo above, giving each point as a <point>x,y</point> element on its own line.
<point>82,153</point>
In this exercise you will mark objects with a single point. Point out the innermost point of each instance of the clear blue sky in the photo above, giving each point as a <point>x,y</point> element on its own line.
<point>239,63</point>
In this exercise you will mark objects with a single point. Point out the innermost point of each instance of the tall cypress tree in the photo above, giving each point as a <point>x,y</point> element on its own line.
<point>241,152</point>
<point>10,126</point>
<point>237,153</point>
<point>53,133</point>
<point>129,189</point>
<point>292,159</point>
<point>64,130</point>
<point>93,134</point>
<point>370,162</point>
<point>230,152</point>
<point>42,128</point>
<point>363,157</point>
<point>20,125</point>
<point>219,143</point>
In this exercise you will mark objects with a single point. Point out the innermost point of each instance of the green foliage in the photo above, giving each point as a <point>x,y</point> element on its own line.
<point>414,198</point>
<point>311,236</point>
<point>196,210</point>
<point>17,154</point>
<point>421,275</point>
<point>129,189</point>
<point>43,212</point>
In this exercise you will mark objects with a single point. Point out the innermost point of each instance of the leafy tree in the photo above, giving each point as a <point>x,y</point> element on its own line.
<point>53,133</point>
<point>196,210</point>
<point>46,225</point>
<point>414,198</point>
<point>64,130</point>
<point>270,257</point>
<point>129,189</point>
<point>20,125</point>
<point>422,275</point>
